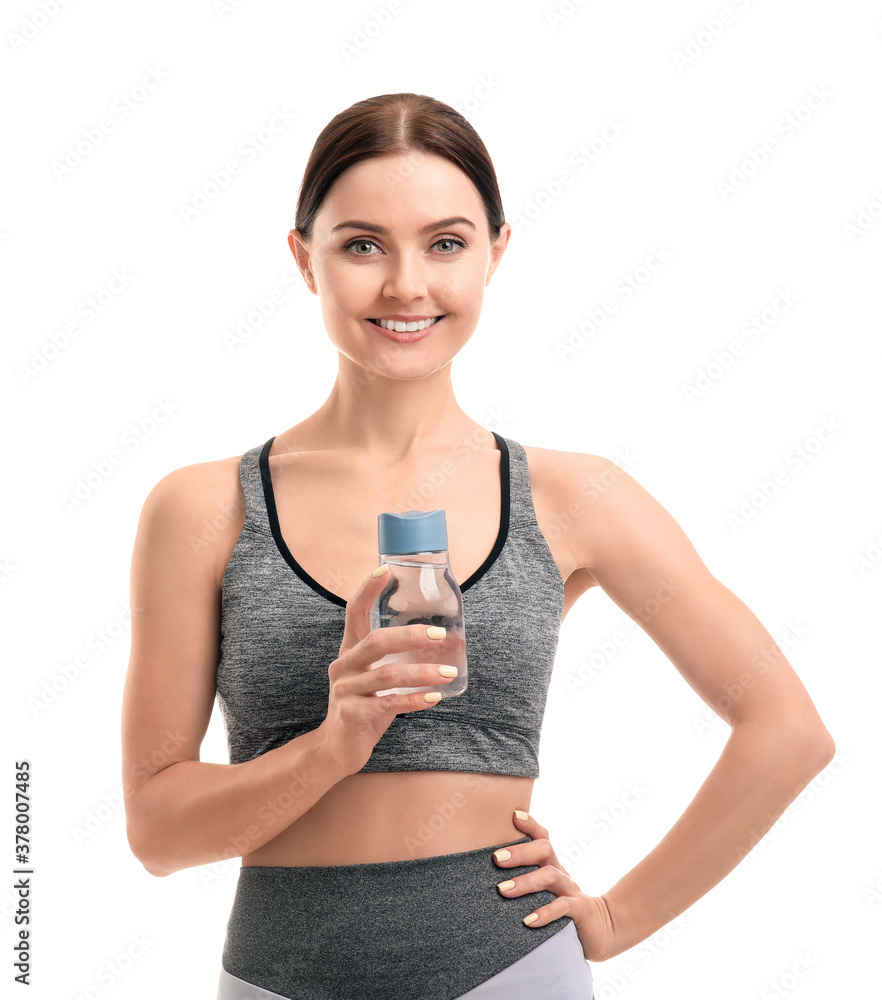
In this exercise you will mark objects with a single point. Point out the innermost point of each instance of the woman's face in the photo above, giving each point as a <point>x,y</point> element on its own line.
<point>400,236</point>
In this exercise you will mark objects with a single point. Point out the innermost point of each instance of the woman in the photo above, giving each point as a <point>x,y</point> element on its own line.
<point>387,847</point>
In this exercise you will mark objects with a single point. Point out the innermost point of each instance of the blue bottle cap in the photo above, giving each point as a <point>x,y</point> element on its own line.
<point>412,531</point>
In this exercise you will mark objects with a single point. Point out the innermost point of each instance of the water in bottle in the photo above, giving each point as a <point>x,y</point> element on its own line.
<point>421,590</point>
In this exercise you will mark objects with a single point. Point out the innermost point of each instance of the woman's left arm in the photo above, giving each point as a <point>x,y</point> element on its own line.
<point>638,554</point>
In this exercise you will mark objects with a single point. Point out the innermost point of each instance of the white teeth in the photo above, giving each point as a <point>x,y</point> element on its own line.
<point>400,327</point>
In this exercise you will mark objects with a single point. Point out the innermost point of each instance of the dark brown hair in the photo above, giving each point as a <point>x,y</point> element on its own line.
<point>391,124</point>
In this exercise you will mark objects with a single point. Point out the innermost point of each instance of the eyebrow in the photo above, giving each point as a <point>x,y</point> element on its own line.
<point>371,227</point>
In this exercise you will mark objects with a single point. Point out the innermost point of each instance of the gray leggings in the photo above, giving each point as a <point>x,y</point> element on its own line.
<point>431,928</point>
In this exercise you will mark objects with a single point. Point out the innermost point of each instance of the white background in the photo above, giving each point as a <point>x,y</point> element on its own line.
<point>536,88</point>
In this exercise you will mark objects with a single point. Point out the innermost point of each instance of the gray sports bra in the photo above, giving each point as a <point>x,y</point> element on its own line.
<point>280,630</point>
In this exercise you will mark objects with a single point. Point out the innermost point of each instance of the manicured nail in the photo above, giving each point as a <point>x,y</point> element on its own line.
<point>509,884</point>
<point>531,918</point>
<point>380,570</point>
<point>502,855</point>
<point>432,697</point>
<point>435,632</point>
<point>521,814</point>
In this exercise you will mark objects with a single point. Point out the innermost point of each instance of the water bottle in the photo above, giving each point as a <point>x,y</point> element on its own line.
<point>421,590</point>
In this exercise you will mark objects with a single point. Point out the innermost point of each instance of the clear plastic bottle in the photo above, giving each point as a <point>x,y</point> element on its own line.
<point>421,590</point>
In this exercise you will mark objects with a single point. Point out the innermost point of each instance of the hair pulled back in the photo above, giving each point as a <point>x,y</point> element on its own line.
<point>393,124</point>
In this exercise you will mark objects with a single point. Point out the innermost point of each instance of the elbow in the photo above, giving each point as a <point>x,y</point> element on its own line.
<point>812,747</point>
<point>154,866</point>
<point>158,872</point>
<point>143,850</point>
<point>822,749</point>
<point>803,748</point>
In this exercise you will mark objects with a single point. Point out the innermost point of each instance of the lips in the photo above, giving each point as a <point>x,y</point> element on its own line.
<point>406,336</point>
<point>376,322</point>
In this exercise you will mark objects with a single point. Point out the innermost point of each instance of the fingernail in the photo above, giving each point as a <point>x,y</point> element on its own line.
<point>521,814</point>
<point>380,570</point>
<point>509,884</point>
<point>531,918</point>
<point>435,632</point>
<point>502,855</point>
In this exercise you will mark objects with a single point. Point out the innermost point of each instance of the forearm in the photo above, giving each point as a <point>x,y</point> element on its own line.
<point>759,773</point>
<point>196,812</point>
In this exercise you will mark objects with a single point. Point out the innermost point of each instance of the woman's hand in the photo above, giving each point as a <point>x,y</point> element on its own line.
<point>589,913</point>
<point>357,714</point>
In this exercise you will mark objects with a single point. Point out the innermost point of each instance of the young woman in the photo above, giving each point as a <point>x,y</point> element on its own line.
<point>387,847</point>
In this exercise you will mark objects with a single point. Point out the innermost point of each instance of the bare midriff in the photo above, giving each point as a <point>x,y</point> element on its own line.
<point>397,815</point>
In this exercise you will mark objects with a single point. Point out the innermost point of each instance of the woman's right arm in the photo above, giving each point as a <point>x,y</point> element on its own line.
<point>181,811</point>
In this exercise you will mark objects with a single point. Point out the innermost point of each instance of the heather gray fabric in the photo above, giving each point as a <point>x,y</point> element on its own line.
<point>556,970</point>
<point>280,630</point>
<point>421,929</point>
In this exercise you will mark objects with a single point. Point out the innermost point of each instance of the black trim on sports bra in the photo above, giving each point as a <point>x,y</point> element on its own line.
<point>273,517</point>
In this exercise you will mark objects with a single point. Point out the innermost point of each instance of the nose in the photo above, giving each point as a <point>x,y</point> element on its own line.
<point>405,279</point>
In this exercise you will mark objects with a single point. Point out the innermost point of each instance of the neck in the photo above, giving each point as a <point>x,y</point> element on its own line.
<point>392,420</point>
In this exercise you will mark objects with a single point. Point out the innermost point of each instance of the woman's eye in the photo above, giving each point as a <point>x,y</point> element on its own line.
<point>449,240</point>
<point>360,243</point>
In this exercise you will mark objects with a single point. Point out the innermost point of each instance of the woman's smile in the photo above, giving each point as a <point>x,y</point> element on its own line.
<point>405,332</point>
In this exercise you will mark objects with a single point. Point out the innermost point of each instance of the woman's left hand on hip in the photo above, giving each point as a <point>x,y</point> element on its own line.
<point>589,913</point>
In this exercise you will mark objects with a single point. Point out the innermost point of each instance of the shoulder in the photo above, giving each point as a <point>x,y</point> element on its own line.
<point>559,472</point>
<point>198,509</point>
<point>197,488</point>
<point>584,497</point>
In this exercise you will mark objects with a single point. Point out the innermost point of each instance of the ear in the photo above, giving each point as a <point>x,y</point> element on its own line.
<point>302,256</point>
<point>497,249</point>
